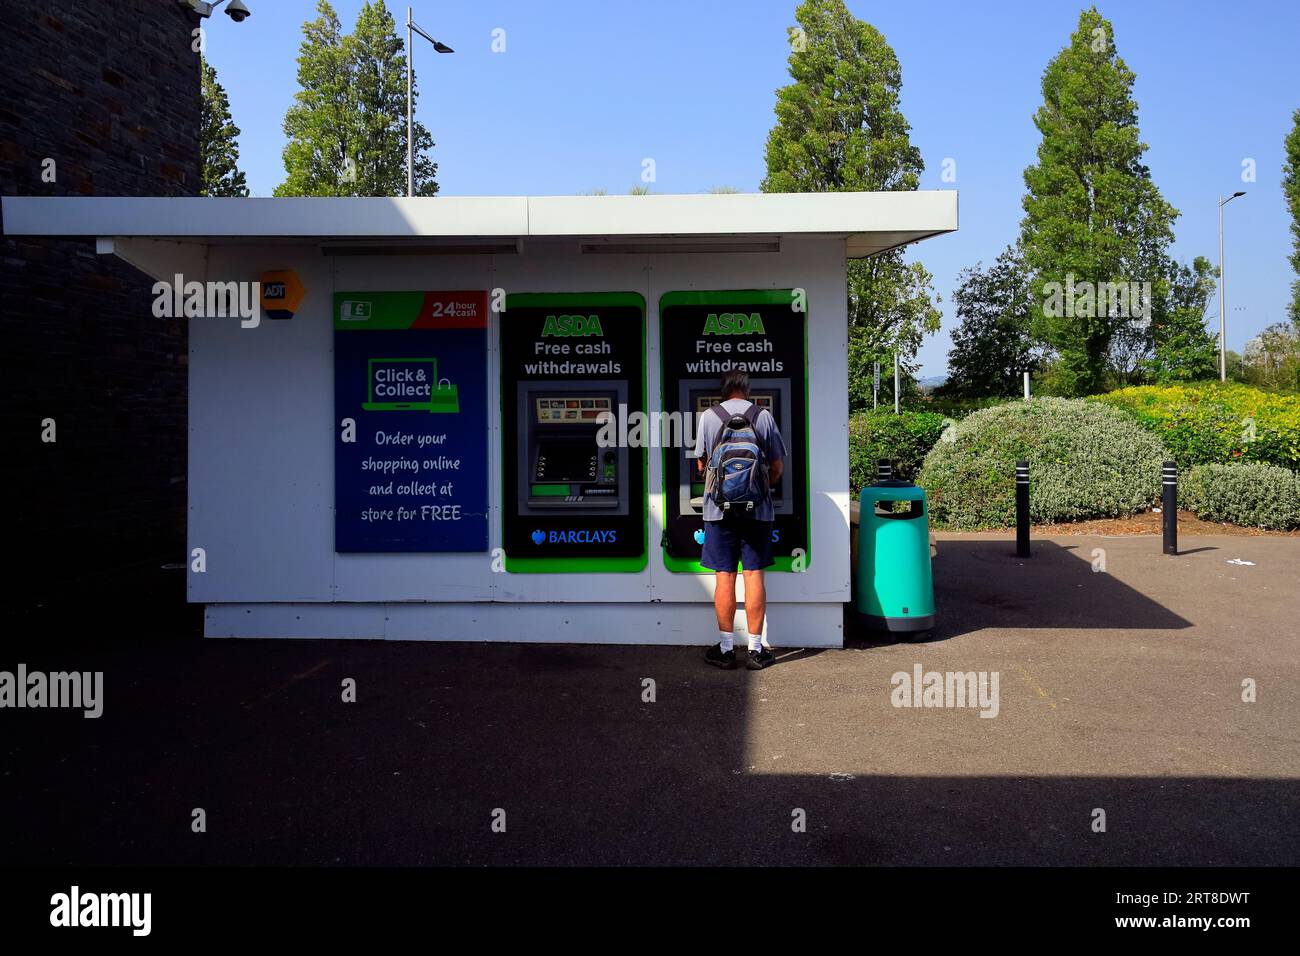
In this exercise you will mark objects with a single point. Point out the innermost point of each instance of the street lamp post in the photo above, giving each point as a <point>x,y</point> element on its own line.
<point>895,383</point>
<point>1223,293</point>
<point>440,47</point>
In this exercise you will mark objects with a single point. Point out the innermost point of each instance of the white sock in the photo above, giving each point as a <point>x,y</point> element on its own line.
<point>756,642</point>
<point>725,638</point>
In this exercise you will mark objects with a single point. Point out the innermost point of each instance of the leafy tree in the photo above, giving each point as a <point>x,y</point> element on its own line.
<point>379,85</point>
<point>1092,213</point>
<point>1291,189</point>
<point>992,347</point>
<point>347,126</point>
<point>1183,348</point>
<point>318,124</point>
<point>863,353</point>
<point>839,128</point>
<point>218,148</point>
<point>1236,366</point>
<point>1272,358</point>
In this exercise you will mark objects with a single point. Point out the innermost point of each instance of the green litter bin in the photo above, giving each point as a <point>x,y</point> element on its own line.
<point>895,588</point>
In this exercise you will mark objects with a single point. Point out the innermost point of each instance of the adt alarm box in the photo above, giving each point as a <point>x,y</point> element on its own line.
<point>702,336</point>
<point>573,485</point>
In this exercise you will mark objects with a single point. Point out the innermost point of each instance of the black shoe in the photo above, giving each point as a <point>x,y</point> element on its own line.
<point>760,658</point>
<point>715,656</point>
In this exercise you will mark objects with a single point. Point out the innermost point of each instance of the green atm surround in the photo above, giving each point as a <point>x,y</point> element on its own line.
<point>668,391</point>
<point>639,514</point>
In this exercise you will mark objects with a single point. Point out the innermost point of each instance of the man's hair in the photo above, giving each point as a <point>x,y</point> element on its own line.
<point>735,382</point>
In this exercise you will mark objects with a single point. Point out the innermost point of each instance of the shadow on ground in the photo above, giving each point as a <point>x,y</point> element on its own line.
<point>256,734</point>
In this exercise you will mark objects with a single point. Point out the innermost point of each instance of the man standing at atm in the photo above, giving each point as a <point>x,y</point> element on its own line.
<point>738,532</point>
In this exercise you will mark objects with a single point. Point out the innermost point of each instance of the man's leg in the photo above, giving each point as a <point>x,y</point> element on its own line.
<point>721,554</point>
<point>755,556</point>
<point>724,599</point>
<point>755,606</point>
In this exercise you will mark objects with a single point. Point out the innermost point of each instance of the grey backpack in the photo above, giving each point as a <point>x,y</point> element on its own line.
<point>737,474</point>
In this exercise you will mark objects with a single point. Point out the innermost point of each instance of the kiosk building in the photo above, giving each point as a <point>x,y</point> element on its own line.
<point>470,418</point>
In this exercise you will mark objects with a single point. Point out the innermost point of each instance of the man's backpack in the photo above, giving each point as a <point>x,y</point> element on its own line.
<point>737,476</point>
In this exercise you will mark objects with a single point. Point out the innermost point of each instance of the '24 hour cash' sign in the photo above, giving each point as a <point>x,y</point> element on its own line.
<point>410,408</point>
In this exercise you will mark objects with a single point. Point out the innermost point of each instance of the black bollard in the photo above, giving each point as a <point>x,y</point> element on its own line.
<point>1169,480</point>
<point>1022,508</point>
<point>884,470</point>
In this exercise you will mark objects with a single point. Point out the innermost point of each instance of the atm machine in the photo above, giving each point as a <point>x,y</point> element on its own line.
<point>561,468</point>
<point>702,334</point>
<point>570,503</point>
<point>698,396</point>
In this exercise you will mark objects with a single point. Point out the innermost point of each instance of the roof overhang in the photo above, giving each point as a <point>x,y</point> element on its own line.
<point>869,223</point>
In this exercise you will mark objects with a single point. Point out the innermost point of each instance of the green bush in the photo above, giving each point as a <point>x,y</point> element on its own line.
<point>904,439</point>
<point>959,408</point>
<point>1248,494</point>
<point>1212,422</point>
<point>1085,461</point>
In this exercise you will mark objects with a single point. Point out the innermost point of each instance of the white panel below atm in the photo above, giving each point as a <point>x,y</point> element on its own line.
<point>789,625</point>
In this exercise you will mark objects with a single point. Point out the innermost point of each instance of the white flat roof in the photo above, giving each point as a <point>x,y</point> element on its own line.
<point>869,222</point>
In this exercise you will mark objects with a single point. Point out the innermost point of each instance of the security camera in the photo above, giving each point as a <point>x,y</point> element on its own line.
<point>237,11</point>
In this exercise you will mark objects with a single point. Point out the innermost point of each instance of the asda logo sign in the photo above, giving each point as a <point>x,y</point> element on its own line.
<point>734,323</point>
<point>564,326</point>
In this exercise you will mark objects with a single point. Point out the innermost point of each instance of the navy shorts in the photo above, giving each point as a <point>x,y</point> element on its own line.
<point>737,539</point>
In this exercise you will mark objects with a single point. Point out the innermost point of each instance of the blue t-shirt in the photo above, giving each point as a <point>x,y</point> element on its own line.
<point>709,427</point>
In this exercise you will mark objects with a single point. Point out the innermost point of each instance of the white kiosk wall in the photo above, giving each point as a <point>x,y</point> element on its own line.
<point>261,466</point>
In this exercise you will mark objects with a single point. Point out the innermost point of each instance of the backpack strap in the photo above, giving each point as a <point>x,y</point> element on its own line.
<point>721,412</point>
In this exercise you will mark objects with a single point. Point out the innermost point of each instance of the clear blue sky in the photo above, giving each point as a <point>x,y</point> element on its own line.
<point>588,88</point>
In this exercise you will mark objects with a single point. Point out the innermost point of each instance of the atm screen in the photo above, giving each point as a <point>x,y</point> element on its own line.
<point>567,460</point>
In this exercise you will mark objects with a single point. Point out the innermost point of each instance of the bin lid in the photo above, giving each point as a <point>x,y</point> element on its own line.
<point>893,491</point>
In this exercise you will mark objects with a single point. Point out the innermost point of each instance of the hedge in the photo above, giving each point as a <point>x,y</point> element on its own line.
<point>904,439</point>
<point>1248,494</point>
<point>1213,422</point>
<point>1086,460</point>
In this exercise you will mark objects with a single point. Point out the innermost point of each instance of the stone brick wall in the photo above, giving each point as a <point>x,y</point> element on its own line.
<point>108,90</point>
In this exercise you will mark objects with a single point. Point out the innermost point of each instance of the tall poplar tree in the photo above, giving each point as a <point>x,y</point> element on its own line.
<point>318,123</point>
<point>1092,212</point>
<point>218,149</point>
<point>1291,189</point>
<point>378,63</point>
<point>839,128</point>
<point>347,126</point>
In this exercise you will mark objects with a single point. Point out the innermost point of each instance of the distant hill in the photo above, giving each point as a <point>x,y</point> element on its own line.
<point>931,381</point>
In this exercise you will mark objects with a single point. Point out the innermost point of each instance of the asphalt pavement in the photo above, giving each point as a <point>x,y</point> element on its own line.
<point>1120,733</point>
